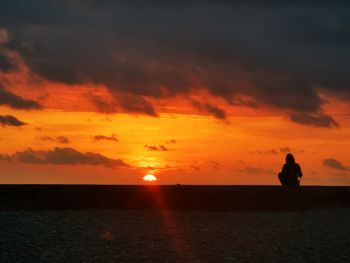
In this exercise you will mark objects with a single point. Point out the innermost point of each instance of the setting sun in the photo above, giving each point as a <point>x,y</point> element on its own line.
<point>149,178</point>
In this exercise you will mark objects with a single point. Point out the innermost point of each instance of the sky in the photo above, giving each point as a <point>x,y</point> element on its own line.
<point>193,92</point>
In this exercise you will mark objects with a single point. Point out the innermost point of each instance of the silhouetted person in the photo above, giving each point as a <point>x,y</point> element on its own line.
<point>291,172</point>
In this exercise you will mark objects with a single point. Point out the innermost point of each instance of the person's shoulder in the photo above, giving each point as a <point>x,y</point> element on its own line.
<point>296,164</point>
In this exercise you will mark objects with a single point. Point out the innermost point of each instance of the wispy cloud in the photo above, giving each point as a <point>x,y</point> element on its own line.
<point>106,138</point>
<point>213,110</point>
<point>335,164</point>
<point>59,139</point>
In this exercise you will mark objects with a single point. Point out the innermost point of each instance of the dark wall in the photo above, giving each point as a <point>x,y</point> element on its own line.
<point>215,198</point>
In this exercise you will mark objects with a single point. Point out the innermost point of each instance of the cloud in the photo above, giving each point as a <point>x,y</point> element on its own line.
<point>6,64</point>
<point>160,147</point>
<point>63,140</point>
<point>255,170</point>
<point>215,165</point>
<point>135,104</point>
<point>285,150</point>
<point>12,100</point>
<point>314,119</point>
<point>274,55</point>
<point>62,156</point>
<point>103,105</point>
<point>335,164</point>
<point>124,102</point>
<point>8,120</point>
<point>267,152</point>
<point>59,139</point>
<point>4,36</point>
<point>215,111</point>
<point>106,138</point>
<point>171,141</point>
<point>45,138</point>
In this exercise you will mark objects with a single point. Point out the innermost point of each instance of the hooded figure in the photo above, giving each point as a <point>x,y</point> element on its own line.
<point>291,172</point>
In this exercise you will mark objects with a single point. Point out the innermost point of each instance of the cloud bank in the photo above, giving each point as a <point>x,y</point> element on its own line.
<point>279,55</point>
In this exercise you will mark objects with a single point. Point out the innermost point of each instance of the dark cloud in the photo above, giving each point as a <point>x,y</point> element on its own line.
<point>62,156</point>
<point>243,101</point>
<point>160,147</point>
<point>171,141</point>
<point>6,64</point>
<point>335,164</point>
<point>8,120</point>
<point>106,138</point>
<point>215,111</point>
<point>12,100</point>
<point>59,139</point>
<point>278,54</point>
<point>314,119</point>
<point>124,102</point>
<point>102,105</point>
<point>136,104</point>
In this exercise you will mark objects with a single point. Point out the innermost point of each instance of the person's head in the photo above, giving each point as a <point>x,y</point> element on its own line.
<point>290,158</point>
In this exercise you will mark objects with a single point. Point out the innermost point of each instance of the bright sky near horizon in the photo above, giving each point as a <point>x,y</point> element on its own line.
<point>191,92</point>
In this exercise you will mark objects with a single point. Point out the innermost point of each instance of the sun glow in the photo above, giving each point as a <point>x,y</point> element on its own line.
<point>149,178</point>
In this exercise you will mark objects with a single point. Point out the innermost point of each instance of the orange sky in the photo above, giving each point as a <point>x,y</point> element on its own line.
<point>194,93</point>
<point>187,148</point>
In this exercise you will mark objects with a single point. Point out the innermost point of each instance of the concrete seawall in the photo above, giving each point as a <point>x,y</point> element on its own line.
<point>177,197</point>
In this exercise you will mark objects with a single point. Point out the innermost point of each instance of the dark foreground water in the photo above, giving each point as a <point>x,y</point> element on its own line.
<point>175,236</point>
